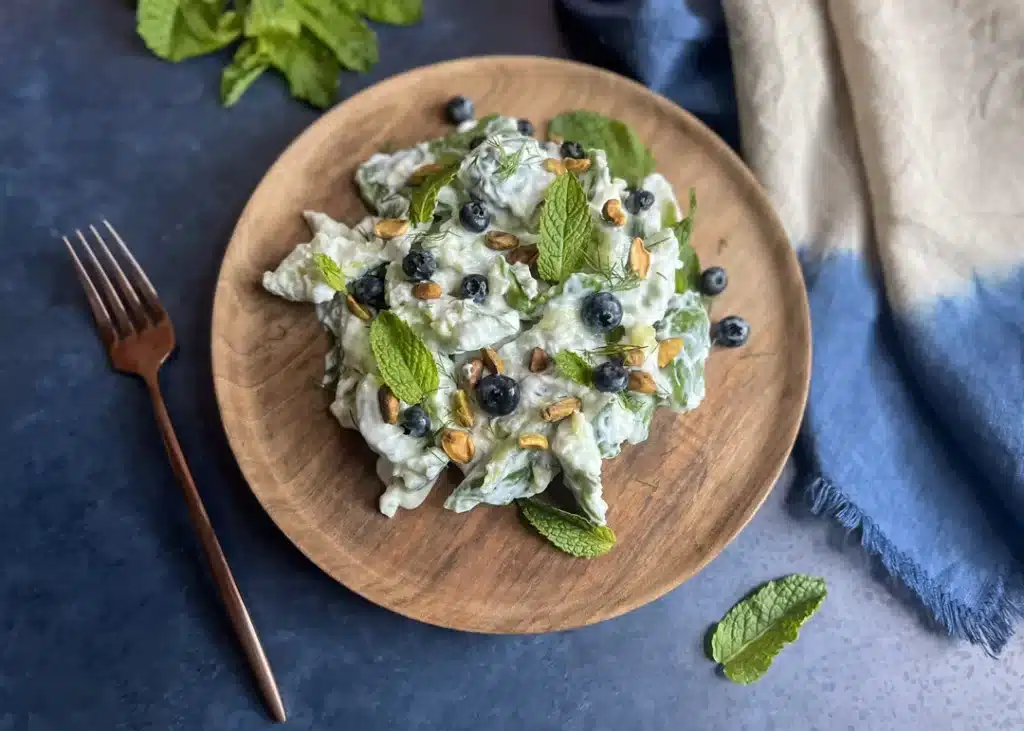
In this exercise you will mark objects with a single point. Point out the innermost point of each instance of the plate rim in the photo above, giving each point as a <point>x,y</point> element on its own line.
<point>707,137</point>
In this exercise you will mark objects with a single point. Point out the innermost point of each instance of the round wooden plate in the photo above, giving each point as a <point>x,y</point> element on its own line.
<point>675,500</point>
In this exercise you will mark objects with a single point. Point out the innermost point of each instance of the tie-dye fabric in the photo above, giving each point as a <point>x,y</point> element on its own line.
<point>890,136</point>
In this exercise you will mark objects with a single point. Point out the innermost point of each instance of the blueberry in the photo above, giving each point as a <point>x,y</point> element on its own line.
<point>419,265</point>
<point>610,377</point>
<point>525,127</point>
<point>369,290</point>
<point>476,142</point>
<point>601,311</point>
<point>459,109</point>
<point>573,150</point>
<point>380,271</point>
<point>639,200</point>
<point>474,216</point>
<point>713,281</point>
<point>415,421</point>
<point>474,287</point>
<point>498,394</point>
<point>731,331</point>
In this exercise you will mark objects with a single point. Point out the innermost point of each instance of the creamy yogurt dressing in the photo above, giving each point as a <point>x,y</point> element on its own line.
<point>507,173</point>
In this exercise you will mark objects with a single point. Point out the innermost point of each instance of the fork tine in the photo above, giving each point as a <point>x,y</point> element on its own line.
<point>113,301</point>
<point>134,304</point>
<point>141,281</point>
<point>108,333</point>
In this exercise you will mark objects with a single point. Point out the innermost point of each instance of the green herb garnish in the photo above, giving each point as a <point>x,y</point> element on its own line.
<point>248,65</point>
<point>612,350</point>
<point>567,532</point>
<point>308,41</point>
<point>179,29</point>
<point>687,276</point>
<point>628,158</point>
<point>330,272</point>
<point>403,359</point>
<point>460,140</point>
<point>424,198</point>
<point>565,229</point>
<point>616,334</point>
<point>574,367</point>
<point>615,277</point>
<point>634,402</point>
<point>754,631</point>
<point>508,164</point>
<point>393,12</point>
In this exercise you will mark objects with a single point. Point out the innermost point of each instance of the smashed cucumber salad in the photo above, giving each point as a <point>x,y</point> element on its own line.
<point>516,307</point>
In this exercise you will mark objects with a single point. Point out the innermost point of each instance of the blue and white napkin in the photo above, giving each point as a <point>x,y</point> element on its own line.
<point>890,137</point>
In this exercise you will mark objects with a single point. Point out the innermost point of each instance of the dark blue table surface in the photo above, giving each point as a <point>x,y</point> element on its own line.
<point>107,617</point>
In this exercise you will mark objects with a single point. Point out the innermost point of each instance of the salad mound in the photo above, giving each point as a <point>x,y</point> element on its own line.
<point>516,307</point>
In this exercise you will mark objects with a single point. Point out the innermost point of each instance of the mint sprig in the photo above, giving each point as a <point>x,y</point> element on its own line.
<point>754,631</point>
<point>568,532</point>
<point>404,362</point>
<point>565,229</point>
<point>308,41</point>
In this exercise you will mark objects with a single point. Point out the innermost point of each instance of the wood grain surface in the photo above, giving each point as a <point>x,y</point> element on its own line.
<point>675,500</point>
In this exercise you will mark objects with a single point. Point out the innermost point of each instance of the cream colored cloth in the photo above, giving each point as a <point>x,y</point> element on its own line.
<point>891,122</point>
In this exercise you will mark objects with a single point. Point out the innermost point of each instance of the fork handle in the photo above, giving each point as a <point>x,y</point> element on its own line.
<point>215,555</point>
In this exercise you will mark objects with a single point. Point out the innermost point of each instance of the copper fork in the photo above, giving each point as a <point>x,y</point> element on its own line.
<point>137,331</point>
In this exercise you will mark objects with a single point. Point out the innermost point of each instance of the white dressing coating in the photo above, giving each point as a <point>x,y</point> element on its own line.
<point>411,463</point>
<point>648,223</point>
<point>682,381</point>
<point>511,193</point>
<point>509,473</point>
<point>506,173</point>
<point>624,419</point>
<point>576,448</point>
<point>353,250</point>
<point>452,324</point>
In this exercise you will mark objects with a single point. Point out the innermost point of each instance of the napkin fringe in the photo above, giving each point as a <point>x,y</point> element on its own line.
<point>990,624</point>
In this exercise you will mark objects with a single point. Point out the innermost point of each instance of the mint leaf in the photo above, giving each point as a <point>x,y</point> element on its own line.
<point>567,532</point>
<point>247,66</point>
<point>424,198</point>
<point>669,214</point>
<point>271,18</point>
<point>309,41</point>
<point>405,364</point>
<point>628,158</point>
<point>687,276</point>
<point>178,29</point>
<point>516,297</point>
<point>574,367</point>
<point>308,65</point>
<point>330,272</point>
<point>565,229</point>
<point>350,39</point>
<point>395,12</point>
<point>754,631</point>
